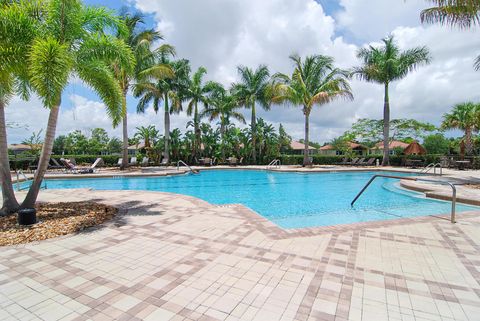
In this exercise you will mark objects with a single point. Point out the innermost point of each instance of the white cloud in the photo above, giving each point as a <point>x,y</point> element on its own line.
<point>223,34</point>
<point>80,113</point>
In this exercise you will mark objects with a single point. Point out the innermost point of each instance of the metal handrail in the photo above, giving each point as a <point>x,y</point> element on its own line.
<point>454,189</point>
<point>185,164</point>
<point>26,179</point>
<point>427,168</point>
<point>275,162</point>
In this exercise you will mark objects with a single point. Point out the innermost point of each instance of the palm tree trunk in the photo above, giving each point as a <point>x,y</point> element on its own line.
<point>32,194</point>
<point>386,128</point>
<point>124,164</point>
<point>307,129</point>
<point>254,134</point>
<point>222,134</point>
<point>468,141</point>
<point>10,204</point>
<point>166,152</point>
<point>196,125</point>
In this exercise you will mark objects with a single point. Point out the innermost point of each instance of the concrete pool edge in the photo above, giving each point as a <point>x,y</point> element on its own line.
<point>260,222</point>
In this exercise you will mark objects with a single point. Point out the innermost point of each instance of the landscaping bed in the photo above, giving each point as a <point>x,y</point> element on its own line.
<point>55,219</point>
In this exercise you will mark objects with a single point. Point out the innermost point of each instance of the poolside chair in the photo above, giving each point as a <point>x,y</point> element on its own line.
<point>144,162</point>
<point>344,161</point>
<point>55,165</point>
<point>164,162</point>
<point>361,160</point>
<point>120,161</point>
<point>133,161</point>
<point>232,161</point>
<point>370,162</point>
<point>353,162</point>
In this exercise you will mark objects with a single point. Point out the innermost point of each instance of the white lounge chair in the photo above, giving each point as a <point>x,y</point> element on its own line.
<point>133,161</point>
<point>144,161</point>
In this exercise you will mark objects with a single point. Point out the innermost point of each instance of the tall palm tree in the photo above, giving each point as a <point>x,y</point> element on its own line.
<point>384,65</point>
<point>140,41</point>
<point>223,106</point>
<point>197,92</point>
<point>314,82</point>
<point>18,26</point>
<point>71,42</point>
<point>466,117</point>
<point>156,88</point>
<point>460,13</point>
<point>250,90</point>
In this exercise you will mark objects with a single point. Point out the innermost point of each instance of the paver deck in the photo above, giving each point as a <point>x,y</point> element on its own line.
<point>174,257</point>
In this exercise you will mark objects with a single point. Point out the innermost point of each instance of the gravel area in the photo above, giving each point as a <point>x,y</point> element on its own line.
<point>55,219</point>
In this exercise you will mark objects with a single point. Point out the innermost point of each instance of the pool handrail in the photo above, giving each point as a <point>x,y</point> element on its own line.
<point>454,189</point>
<point>184,164</point>
<point>274,163</point>
<point>427,168</point>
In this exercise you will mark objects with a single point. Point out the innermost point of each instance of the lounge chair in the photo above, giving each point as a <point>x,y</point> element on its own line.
<point>120,161</point>
<point>232,161</point>
<point>206,161</point>
<point>370,162</point>
<point>133,161</point>
<point>361,160</point>
<point>70,167</point>
<point>353,162</point>
<point>164,162</point>
<point>54,164</point>
<point>344,161</point>
<point>144,162</point>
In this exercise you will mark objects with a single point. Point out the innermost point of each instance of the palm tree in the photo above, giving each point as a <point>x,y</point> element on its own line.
<point>250,90</point>
<point>197,92</point>
<point>464,116</point>
<point>156,88</point>
<point>460,13</point>
<point>384,65</point>
<point>223,106</point>
<point>314,82</point>
<point>149,135</point>
<point>71,42</point>
<point>18,27</point>
<point>140,41</point>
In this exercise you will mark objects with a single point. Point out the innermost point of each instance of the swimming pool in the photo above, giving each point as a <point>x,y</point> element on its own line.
<point>290,200</point>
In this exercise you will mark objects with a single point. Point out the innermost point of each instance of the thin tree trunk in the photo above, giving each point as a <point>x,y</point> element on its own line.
<point>124,164</point>
<point>166,152</point>
<point>32,194</point>
<point>468,141</point>
<point>196,123</point>
<point>254,134</point>
<point>10,204</point>
<point>306,141</point>
<point>222,134</point>
<point>386,128</point>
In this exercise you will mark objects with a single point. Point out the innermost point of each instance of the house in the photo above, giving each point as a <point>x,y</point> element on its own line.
<point>134,149</point>
<point>298,148</point>
<point>393,147</point>
<point>358,149</point>
<point>19,148</point>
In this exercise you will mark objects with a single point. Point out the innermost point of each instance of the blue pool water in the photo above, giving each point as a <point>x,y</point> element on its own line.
<point>291,200</point>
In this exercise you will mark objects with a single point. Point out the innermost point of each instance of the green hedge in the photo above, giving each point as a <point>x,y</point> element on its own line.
<point>395,160</point>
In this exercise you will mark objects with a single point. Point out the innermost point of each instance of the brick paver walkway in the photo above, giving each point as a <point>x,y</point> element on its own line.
<point>171,257</point>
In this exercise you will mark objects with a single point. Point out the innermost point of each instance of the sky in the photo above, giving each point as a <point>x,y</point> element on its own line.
<point>222,34</point>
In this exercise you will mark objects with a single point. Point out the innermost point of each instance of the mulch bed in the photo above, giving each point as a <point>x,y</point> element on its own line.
<point>474,186</point>
<point>55,219</point>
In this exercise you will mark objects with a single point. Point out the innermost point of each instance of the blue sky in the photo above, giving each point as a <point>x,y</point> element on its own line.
<point>330,7</point>
<point>222,34</point>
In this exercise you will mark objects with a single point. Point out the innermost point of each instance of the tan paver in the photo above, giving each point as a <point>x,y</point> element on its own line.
<point>174,257</point>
